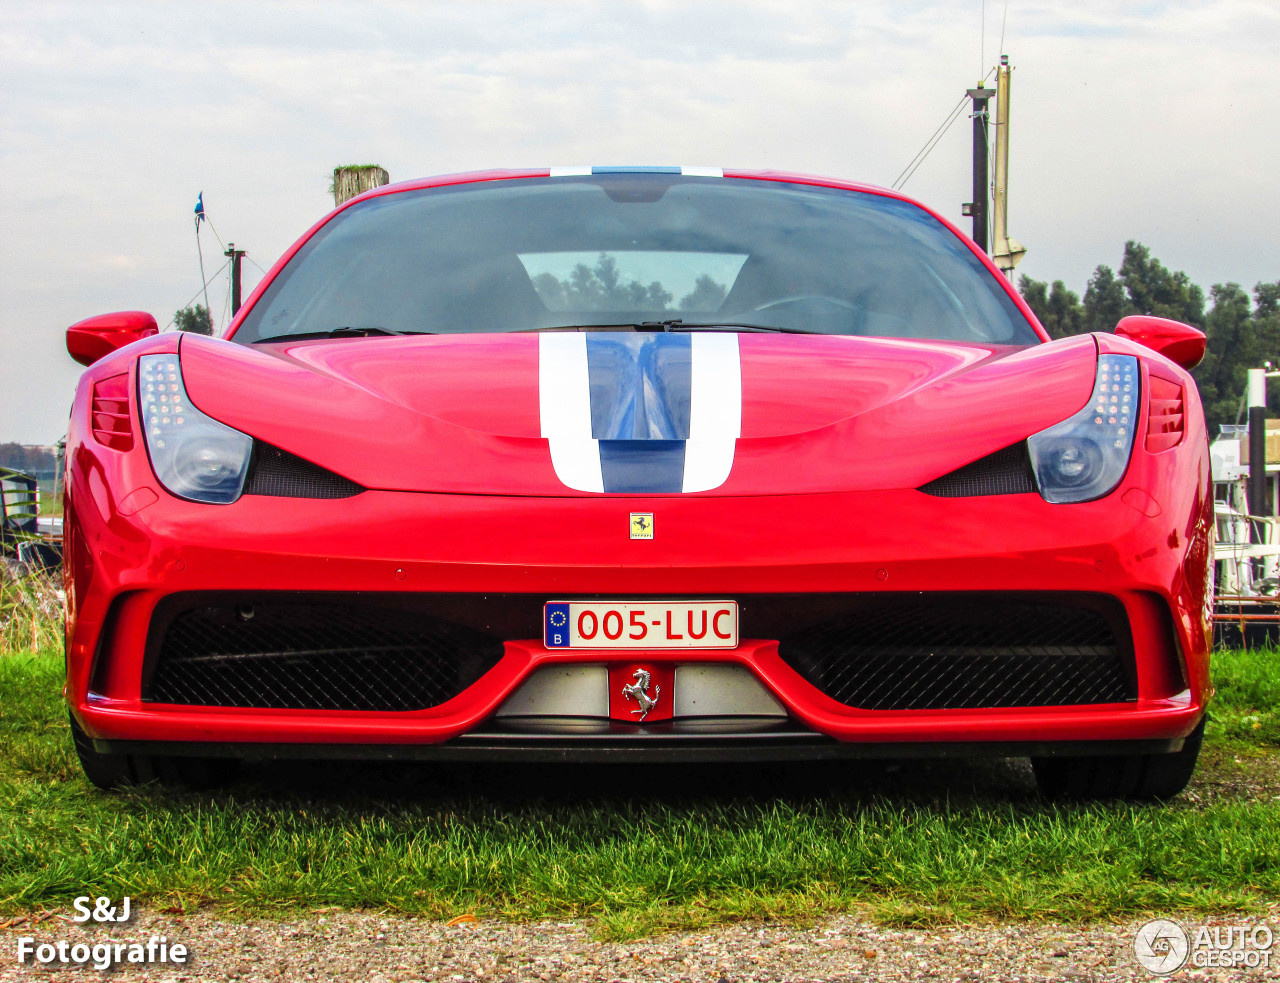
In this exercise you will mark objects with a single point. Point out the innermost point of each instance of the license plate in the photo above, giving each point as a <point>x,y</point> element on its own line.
<point>640,624</point>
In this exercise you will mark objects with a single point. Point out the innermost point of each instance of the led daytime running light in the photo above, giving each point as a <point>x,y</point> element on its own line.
<point>1086,456</point>
<point>193,455</point>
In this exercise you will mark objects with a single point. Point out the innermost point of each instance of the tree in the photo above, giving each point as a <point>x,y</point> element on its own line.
<point>600,288</point>
<point>707,295</point>
<point>1230,351</point>
<point>1240,335</point>
<point>1104,302</point>
<point>1152,289</point>
<point>195,319</point>
<point>1266,317</point>
<point>25,457</point>
<point>1057,307</point>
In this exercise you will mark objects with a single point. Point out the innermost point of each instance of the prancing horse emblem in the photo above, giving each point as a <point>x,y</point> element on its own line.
<point>636,691</point>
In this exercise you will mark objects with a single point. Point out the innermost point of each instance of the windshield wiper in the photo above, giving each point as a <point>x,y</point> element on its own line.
<point>675,324</point>
<point>343,332</point>
<point>679,325</point>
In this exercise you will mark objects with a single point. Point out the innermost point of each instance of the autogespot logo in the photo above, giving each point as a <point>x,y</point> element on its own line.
<point>1161,946</point>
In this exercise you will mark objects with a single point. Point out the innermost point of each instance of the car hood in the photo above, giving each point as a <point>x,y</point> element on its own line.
<point>474,413</point>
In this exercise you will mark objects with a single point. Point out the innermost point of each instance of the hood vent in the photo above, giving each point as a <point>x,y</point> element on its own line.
<point>276,472</point>
<point>1006,472</point>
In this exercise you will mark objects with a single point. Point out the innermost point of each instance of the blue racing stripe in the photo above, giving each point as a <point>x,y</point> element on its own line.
<point>635,170</point>
<point>642,467</point>
<point>640,405</point>
<point>640,384</point>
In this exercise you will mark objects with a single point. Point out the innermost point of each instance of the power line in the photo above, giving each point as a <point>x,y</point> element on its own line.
<point>928,148</point>
<point>925,149</point>
<point>215,234</point>
<point>226,306</point>
<point>200,253</point>
<point>203,287</point>
<point>914,164</point>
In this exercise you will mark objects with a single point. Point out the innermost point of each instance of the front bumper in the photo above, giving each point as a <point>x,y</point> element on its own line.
<point>897,542</point>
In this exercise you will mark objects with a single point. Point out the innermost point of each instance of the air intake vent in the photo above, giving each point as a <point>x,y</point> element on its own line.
<point>1164,415</point>
<point>315,655</point>
<point>933,652</point>
<point>110,413</point>
<point>1006,472</point>
<point>276,472</point>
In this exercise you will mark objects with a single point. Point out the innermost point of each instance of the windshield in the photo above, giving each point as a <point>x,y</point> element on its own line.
<point>531,254</point>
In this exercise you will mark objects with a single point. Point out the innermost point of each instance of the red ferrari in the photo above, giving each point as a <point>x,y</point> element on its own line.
<point>661,464</point>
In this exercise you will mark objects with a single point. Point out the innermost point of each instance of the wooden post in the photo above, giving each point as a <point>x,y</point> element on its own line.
<point>355,179</point>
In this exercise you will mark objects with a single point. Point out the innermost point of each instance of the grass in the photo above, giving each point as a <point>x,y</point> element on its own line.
<point>50,504</point>
<point>638,850</point>
<point>30,613</point>
<point>1246,706</point>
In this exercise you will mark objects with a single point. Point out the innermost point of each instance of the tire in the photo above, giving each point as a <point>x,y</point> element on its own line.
<point>114,771</point>
<point>1150,777</point>
<point>106,771</point>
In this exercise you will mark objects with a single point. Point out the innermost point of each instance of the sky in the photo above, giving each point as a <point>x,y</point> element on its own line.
<point>1155,121</point>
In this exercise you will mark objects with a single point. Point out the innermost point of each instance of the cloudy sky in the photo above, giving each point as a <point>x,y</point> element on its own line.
<point>1156,121</point>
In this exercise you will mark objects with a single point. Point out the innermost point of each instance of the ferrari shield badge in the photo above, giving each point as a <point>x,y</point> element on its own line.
<point>638,691</point>
<point>642,525</point>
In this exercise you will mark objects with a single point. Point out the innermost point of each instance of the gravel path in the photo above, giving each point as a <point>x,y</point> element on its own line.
<point>346,946</point>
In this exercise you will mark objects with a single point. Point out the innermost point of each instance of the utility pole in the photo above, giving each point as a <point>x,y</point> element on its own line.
<point>978,207</point>
<point>236,255</point>
<point>1005,251</point>
<point>1259,500</point>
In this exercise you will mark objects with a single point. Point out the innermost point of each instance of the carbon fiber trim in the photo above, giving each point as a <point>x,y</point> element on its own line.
<point>278,473</point>
<point>1006,472</point>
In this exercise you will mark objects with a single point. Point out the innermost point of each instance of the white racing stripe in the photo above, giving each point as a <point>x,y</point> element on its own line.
<point>701,171</point>
<point>564,407</point>
<point>715,410</point>
<point>577,171</point>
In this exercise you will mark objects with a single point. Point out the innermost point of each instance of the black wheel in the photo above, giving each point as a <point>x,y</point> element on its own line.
<point>112,771</point>
<point>1121,776</point>
<point>107,771</point>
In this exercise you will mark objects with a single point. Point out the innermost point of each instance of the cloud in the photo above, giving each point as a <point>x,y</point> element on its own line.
<point>1141,120</point>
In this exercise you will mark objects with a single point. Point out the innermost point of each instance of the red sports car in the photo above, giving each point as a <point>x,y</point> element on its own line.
<point>663,464</point>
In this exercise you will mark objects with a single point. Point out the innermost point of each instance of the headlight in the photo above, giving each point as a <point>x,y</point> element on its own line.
<point>193,455</point>
<point>1085,457</point>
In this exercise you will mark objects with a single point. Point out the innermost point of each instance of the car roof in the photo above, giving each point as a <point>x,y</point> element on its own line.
<point>585,170</point>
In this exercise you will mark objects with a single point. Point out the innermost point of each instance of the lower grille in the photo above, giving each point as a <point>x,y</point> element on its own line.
<point>314,656</point>
<point>936,653</point>
<point>876,651</point>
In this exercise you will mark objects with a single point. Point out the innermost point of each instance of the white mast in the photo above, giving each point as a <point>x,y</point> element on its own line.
<point>1005,251</point>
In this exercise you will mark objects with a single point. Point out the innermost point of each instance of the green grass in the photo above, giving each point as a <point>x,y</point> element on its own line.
<point>30,613</point>
<point>638,850</point>
<point>1247,703</point>
<point>50,504</point>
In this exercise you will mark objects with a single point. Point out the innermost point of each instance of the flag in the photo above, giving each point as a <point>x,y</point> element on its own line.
<point>199,207</point>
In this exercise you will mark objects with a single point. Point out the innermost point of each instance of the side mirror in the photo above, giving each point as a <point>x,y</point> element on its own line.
<point>1174,340</point>
<point>94,337</point>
